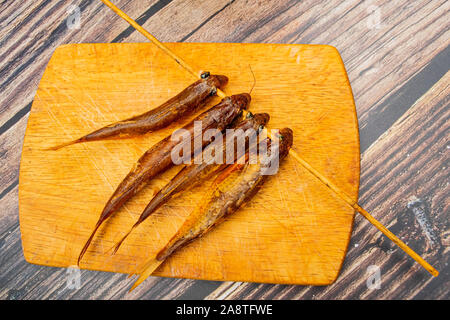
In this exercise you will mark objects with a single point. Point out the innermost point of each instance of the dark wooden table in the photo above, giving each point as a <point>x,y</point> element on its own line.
<point>397,56</point>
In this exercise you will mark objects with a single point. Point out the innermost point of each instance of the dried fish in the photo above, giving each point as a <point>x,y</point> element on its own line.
<point>231,191</point>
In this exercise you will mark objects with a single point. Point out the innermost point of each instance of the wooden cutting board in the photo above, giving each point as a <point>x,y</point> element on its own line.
<point>295,230</point>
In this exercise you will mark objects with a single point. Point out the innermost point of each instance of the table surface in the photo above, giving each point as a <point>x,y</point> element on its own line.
<point>397,57</point>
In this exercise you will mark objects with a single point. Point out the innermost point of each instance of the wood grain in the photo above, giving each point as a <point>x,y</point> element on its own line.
<point>390,69</point>
<point>293,231</point>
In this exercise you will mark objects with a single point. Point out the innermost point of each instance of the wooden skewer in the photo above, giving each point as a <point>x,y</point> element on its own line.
<point>148,270</point>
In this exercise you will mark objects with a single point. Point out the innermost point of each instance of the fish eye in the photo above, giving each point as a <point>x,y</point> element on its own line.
<point>213,91</point>
<point>249,115</point>
<point>205,75</point>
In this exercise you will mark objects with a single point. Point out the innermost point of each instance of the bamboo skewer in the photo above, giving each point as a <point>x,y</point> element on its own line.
<point>150,267</point>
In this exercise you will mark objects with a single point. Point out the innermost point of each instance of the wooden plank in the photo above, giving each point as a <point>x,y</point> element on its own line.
<point>61,193</point>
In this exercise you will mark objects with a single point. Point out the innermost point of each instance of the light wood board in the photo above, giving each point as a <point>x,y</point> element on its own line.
<point>293,231</point>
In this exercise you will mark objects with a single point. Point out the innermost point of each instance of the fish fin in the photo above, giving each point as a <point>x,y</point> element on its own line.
<point>148,269</point>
